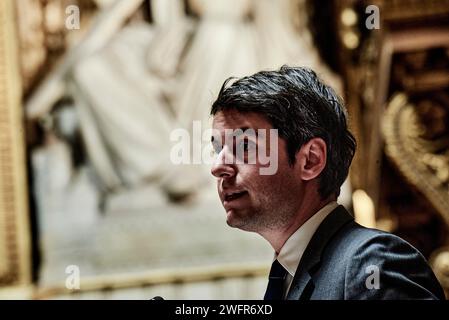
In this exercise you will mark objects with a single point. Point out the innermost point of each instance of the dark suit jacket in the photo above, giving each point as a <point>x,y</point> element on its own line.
<point>342,257</point>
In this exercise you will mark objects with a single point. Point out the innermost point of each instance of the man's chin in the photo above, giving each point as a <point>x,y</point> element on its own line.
<point>234,221</point>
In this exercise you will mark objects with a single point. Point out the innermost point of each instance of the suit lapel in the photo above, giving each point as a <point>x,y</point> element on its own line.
<point>312,255</point>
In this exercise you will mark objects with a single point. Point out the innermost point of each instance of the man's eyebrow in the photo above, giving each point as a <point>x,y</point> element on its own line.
<point>239,131</point>
<point>244,129</point>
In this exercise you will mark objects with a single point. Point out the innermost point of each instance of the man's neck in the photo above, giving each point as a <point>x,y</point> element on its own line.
<point>278,237</point>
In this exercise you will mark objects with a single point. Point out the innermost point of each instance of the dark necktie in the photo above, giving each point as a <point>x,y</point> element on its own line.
<point>276,282</point>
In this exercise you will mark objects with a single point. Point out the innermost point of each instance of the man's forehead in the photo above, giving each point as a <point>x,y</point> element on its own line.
<point>232,119</point>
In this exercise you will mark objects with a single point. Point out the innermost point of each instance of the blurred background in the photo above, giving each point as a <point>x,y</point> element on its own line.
<point>92,207</point>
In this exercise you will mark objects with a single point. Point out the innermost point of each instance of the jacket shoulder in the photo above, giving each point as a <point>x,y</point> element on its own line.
<point>381,265</point>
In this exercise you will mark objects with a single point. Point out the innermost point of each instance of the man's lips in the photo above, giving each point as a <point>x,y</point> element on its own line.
<point>231,196</point>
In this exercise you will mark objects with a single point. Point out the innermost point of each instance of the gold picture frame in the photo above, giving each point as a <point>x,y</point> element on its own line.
<point>15,253</point>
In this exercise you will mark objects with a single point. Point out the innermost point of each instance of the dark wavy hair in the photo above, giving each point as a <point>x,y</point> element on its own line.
<point>301,107</point>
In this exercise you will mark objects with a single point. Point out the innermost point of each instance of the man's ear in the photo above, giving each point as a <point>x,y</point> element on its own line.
<point>312,158</point>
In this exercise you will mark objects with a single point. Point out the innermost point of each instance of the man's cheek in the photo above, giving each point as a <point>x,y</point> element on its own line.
<point>269,163</point>
<point>268,153</point>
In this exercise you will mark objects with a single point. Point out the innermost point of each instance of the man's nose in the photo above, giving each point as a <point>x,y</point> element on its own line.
<point>223,166</point>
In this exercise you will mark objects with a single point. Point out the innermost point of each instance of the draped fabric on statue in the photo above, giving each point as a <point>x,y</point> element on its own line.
<point>120,95</point>
<point>228,43</point>
<point>281,41</point>
<point>224,45</point>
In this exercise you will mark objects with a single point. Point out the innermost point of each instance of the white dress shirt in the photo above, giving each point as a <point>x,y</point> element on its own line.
<point>293,249</point>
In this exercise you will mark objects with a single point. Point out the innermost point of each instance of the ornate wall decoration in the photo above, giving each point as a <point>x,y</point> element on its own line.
<point>412,10</point>
<point>15,264</point>
<point>440,264</point>
<point>43,36</point>
<point>422,161</point>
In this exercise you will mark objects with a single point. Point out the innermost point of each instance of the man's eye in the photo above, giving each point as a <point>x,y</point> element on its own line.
<point>246,145</point>
<point>217,147</point>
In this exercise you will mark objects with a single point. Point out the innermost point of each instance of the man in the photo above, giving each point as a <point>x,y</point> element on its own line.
<point>320,252</point>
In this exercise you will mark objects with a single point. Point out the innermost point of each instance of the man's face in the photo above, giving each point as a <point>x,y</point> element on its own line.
<point>253,201</point>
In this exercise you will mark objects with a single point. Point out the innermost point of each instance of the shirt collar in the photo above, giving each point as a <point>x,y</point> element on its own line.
<point>293,249</point>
